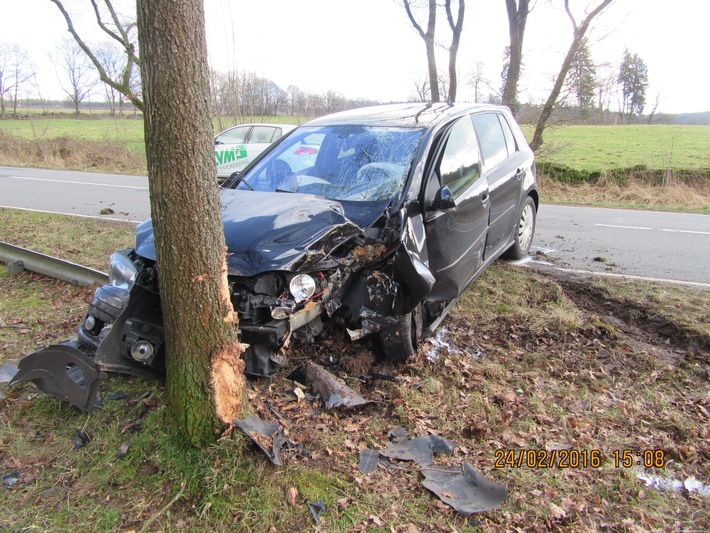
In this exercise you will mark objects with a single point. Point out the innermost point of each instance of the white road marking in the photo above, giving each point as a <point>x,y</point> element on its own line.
<point>71,214</point>
<point>655,229</point>
<point>80,183</point>
<point>623,276</point>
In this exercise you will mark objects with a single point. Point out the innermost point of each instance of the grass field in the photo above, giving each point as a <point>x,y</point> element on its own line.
<point>533,361</point>
<point>126,131</point>
<point>578,147</point>
<point>605,147</point>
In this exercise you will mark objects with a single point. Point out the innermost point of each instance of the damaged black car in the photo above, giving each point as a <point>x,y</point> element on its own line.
<point>373,220</point>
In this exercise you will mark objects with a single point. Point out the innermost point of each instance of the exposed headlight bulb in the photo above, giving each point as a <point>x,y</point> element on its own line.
<point>302,287</point>
<point>142,351</point>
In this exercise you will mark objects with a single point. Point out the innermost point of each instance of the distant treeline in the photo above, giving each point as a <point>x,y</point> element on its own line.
<point>527,113</point>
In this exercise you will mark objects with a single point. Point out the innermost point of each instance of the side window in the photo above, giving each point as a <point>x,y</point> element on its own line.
<point>262,134</point>
<point>234,136</point>
<point>460,163</point>
<point>509,137</point>
<point>490,134</point>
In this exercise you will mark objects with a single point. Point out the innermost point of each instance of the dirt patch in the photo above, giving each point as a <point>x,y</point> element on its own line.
<point>639,325</point>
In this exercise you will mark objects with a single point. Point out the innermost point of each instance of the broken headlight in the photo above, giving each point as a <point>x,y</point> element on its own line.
<point>302,287</point>
<point>121,271</point>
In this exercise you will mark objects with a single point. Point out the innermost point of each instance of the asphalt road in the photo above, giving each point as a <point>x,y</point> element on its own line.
<point>651,244</point>
<point>75,193</point>
<point>670,246</point>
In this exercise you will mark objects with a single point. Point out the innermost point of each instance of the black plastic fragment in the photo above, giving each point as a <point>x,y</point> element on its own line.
<point>268,436</point>
<point>464,488</point>
<point>64,372</point>
<point>369,459</point>
<point>421,450</point>
<point>80,439</point>
<point>317,509</point>
<point>8,480</point>
<point>117,396</point>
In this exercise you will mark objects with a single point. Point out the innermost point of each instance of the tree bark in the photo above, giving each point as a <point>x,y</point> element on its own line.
<point>428,38</point>
<point>203,364</point>
<point>579,32</point>
<point>517,18</point>
<point>456,29</point>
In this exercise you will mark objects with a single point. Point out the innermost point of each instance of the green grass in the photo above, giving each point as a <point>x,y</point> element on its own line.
<point>127,131</point>
<point>596,365</point>
<point>605,147</point>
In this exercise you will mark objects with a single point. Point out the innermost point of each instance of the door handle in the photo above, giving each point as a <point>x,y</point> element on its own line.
<point>519,173</point>
<point>484,199</point>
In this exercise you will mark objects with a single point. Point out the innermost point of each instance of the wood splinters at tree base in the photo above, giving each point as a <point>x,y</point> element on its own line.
<point>228,383</point>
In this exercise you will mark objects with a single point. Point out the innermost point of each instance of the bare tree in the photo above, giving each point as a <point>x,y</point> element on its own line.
<point>656,103</point>
<point>518,11</point>
<point>579,32</point>
<point>203,363</point>
<point>123,33</point>
<point>15,70</point>
<point>428,38</point>
<point>421,89</point>
<point>112,59</point>
<point>79,79</point>
<point>478,80</point>
<point>456,29</point>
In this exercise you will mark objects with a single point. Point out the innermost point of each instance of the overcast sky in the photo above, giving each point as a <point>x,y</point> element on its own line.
<point>368,49</point>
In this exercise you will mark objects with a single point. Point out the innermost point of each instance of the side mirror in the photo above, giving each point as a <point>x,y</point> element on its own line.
<point>443,199</point>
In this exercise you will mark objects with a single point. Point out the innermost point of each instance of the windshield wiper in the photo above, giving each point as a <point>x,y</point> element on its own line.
<point>242,179</point>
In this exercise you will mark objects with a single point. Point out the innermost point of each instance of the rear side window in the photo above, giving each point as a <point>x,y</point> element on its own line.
<point>460,163</point>
<point>234,136</point>
<point>492,139</point>
<point>263,134</point>
<point>509,137</point>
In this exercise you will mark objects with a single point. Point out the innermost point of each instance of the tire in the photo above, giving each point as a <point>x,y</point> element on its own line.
<point>400,340</point>
<point>523,231</point>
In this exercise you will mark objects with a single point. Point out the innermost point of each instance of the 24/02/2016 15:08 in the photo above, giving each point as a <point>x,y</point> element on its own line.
<point>574,458</point>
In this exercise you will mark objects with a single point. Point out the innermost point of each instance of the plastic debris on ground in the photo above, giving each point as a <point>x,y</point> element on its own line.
<point>268,436</point>
<point>316,509</point>
<point>7,372</point>
<point>80,439</point>
<point>439,343</point>
<point>332,391</point>
<point>462,487</point>
<point>692,485</point>
<point>8,480</point>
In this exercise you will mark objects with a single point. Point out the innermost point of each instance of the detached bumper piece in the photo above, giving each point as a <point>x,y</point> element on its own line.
<point>64,372</point>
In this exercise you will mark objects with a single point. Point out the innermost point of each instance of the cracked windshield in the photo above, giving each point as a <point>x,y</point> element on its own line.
<point>350,163</point>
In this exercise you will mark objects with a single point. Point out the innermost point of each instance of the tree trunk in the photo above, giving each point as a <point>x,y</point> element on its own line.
<point>579,32</point>
<point>517,18</point>
<point>203,364</point>
<point>456,29</point>
<point>428,38</point>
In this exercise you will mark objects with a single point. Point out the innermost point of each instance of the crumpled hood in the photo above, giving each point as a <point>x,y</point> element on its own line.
<point>275,231</point>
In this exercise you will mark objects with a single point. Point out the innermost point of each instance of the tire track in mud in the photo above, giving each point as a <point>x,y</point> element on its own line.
<point>637,324</point>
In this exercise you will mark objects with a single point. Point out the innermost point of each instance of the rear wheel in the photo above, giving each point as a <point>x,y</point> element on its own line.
<point>524,231</point>
<point>400,339</point>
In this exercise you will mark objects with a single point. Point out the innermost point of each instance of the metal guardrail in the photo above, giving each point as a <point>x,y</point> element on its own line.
<point>50,266</point>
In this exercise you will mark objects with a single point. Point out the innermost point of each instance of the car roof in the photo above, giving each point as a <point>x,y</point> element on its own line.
<point>413,115</point>
<point>285,127</point>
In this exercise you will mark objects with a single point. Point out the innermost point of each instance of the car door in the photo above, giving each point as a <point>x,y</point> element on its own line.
<point>503,172</point>
<point>456,211</point>
<point>230,150</point>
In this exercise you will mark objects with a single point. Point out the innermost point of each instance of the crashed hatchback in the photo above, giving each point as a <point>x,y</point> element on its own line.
<point>373,220</point>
